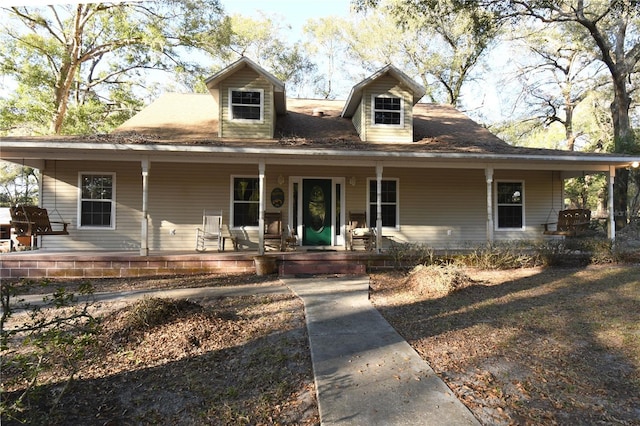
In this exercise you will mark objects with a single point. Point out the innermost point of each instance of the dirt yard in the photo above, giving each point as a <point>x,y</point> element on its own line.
<point>527,346</point>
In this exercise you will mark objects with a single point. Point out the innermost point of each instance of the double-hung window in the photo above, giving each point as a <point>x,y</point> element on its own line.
<point>387,110</point>
<point>246,105</point>
<point>246,201</point>
<point>510,205</point>
<point>97,200</point>
<point>390,205</point>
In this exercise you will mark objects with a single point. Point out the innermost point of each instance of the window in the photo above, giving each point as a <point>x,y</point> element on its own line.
<point>97,200</point>
<point>246,201</point>
<point>510,197</point>
<point>246,105</point>
<point>387,110</point>
<point>389,203</point>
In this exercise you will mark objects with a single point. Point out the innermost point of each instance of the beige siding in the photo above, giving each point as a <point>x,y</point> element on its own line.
<point>385,133</point>
<point>125,236</point>
<point>357,122</point>
<point>247,79</point>
<point>438,207</point>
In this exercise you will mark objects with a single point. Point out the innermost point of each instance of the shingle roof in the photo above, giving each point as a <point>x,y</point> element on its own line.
<point>192,118</point>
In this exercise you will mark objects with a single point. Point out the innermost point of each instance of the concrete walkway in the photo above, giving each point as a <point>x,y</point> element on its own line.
<point>365,372</point>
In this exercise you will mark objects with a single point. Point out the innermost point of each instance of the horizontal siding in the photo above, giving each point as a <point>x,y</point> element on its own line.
<point>128,198</point>
<point>438,207</point>
<point>377,133</point>
<point>247,79</point>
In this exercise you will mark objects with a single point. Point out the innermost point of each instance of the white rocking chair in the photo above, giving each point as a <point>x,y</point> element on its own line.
<point>210,233</point>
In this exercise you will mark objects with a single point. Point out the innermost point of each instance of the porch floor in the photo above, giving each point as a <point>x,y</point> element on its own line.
<point>45,263</point>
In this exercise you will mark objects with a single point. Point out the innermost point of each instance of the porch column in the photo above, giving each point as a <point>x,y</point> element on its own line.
<point>488,173</point>
<point>144,237</point>
<point>378,207</point>
<point>612,218</point>
<point>261,207</point>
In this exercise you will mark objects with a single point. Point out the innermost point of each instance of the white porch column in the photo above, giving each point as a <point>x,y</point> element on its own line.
<point>378,207</point>
<point>144,235</point>
<point>261,207</point>
<point>488,173</point>
<point>612,218</point>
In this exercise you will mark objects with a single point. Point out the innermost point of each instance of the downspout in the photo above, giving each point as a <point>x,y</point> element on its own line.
<point>379,207</point>
<point>612,219</point>
<point>488,172</point>
<point>144,237</point>
<point>261,207</point>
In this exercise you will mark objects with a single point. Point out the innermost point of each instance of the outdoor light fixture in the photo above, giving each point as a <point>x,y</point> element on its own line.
<point>352,181</point>
<point>280,180</point>
<point>635,164</point>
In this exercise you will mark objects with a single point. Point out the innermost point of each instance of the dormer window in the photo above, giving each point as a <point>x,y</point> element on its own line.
<point>387,110</point>
<point>246,105</point>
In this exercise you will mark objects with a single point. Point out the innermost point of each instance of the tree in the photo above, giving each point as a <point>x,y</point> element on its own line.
<point>436,39</point>
<point>556,78</point>
<point>18,184</point>
<point>262,41</point>
<point>613,28</point>
<point>85,59</point>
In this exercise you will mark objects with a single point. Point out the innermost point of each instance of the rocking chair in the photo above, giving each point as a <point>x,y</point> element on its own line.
<point>211,232</point>
<point>273,230</point>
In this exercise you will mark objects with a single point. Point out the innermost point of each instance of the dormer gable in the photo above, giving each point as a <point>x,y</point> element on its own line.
<point>381,106</point>
<point>249,99</point>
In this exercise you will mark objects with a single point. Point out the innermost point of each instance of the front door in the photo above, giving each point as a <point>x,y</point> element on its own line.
<point>317,212</point>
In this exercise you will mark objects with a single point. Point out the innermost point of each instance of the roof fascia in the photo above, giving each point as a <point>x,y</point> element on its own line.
<point>16,151</point>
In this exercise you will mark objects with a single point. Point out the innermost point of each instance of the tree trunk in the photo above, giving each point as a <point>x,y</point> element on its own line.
<point>623,139</point>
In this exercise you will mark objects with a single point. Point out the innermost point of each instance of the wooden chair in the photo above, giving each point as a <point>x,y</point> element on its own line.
<point>33,221</point>
<point>359,233</point>
<point>273,230</point>
<point>570,223</point>
<point>210,233</point>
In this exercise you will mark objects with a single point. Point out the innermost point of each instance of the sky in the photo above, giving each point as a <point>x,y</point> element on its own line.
<point>294,12</point>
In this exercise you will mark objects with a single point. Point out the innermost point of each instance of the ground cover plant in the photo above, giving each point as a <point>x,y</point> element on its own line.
<point>525,346</point>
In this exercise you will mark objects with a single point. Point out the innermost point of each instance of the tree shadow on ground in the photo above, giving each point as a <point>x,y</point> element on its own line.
<point>559,346</point>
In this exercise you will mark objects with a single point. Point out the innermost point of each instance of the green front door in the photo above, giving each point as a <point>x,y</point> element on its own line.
<point>316,212</point>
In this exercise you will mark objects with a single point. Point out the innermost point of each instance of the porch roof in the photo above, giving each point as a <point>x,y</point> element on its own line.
<point>183,127</point>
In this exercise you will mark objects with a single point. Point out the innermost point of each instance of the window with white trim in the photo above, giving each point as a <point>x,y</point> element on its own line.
<point>97,207</point>
<point>246,201</point>
<point>510,205</point>
<point>387,110</point>
<point>390,204</point>
<point>246,105</point>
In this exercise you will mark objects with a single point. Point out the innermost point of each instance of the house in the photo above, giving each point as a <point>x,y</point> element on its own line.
<point>422,173</point>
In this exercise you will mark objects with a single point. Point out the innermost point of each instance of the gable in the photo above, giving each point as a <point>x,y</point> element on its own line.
<point>249,99</point>
<point>232,125</point>
<point>381,106</point>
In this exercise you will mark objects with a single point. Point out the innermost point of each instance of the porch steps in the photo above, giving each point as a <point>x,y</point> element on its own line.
<point>318,263</point>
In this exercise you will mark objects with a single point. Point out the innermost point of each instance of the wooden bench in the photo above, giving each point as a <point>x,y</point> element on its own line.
<point>570,223</point>
<point>33,221</point>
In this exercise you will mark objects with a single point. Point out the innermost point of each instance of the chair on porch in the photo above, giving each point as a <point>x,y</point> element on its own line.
<point>358,233</point>
<point>210,233</point>
<point>570,223</point>
<point>273,230</point>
